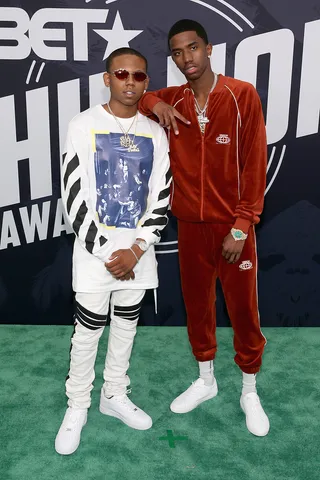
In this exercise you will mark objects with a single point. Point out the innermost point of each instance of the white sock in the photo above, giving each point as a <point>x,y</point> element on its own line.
<point>206,370</point>
<point>248,383</point>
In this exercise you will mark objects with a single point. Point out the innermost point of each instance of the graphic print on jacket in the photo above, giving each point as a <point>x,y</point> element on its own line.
<point>122,179</point>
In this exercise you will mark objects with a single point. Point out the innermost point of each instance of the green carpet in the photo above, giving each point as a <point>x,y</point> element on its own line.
<point>34,364</point>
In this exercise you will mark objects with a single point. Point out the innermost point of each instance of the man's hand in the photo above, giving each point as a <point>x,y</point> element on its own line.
<point>167,114</point>
<point>232,249</point>
<point>122,262</point>
<point>129,276</point>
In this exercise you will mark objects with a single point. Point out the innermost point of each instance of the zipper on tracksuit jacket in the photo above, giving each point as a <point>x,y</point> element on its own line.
<point>202,173</point>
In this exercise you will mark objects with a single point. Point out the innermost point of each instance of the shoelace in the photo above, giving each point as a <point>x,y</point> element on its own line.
<point>255,404</point>
<point>72,420</point>
<point>195,387</point>
<point>125,400</point>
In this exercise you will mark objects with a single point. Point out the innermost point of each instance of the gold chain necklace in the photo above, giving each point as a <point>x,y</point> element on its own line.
<point>125,140</point>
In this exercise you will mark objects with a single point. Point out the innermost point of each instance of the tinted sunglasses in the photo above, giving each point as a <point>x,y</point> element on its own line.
<point>122,74</point>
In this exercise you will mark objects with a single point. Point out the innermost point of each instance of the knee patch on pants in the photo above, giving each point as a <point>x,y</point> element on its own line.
<point>128,313</point>
<point>88,319</point>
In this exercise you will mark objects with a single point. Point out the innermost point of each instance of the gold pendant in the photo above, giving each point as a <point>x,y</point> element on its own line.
<point>125,141</point>
<point>133,148</point>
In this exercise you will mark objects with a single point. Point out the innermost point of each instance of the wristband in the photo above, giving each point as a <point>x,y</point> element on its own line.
<point>134,253</point>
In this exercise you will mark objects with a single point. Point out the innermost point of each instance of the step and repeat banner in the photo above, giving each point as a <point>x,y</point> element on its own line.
<point>52,57</point>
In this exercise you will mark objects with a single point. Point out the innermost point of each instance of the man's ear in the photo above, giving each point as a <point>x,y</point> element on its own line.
<point>106,79</point>
<point>209,49</point>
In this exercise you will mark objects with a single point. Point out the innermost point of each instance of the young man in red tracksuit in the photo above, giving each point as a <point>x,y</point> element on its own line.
<point>218,162</point>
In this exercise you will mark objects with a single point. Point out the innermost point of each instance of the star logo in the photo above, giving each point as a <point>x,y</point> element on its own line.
<point>118,37</point>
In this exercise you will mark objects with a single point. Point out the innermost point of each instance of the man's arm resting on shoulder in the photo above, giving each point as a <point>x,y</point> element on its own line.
<point>157,105</point>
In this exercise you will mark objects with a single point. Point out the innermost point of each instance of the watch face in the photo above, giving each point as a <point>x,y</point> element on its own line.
<point>238,234</point>
<point>142,245</point>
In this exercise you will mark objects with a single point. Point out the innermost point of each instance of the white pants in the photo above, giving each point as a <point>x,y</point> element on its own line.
<point>90,320</point>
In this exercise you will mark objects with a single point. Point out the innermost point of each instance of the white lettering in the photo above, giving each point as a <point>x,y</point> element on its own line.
<point>36,222</point>
<point>69,107</point>
<point>36,147</point>
<point>279,44</point>
<point>39,33</point>
<point>309,103</point>
<point>97,90</point>
<point>8,231</point>
<point>61,224</point>
<point>17,33</point>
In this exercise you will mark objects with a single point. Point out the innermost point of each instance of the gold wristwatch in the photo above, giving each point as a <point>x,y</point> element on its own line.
<point>238,234</point>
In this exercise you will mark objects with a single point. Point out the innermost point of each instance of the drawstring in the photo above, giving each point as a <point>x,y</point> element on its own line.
<point>155,300</point>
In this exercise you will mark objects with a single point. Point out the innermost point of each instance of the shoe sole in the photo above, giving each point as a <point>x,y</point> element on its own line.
<point>253,433</point>
<point>75,449</point>
<point>208,397</point>
<point>112,413</point>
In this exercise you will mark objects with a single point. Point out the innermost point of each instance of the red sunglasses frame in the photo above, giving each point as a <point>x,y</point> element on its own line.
<point>136,75</point>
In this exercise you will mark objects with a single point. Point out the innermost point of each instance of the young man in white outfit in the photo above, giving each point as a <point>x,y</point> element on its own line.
<point>115,190</point>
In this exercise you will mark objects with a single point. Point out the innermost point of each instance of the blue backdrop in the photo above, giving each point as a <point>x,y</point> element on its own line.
<point>52,57</point>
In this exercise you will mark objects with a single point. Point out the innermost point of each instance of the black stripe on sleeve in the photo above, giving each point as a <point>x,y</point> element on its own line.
<point>168,176</point>
<point>72,165</point>
<point>91,236</point>
<point>64,157</point>
<point>155,221</point>
<point>102,240</point>
<point>78,221</point>
<point>161,210</point>
<point>164,194</point>
<point>74,190</point>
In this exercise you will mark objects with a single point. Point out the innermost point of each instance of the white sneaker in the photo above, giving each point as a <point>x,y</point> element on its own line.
<point>121,407</point>
<point>256,419</point>
<point>197,393</point>
<point>68,437</point>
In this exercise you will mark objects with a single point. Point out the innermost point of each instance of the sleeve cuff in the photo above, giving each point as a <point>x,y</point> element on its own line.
<point>242,224</point>
<point>148,237</point>
<point>107,252</point>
